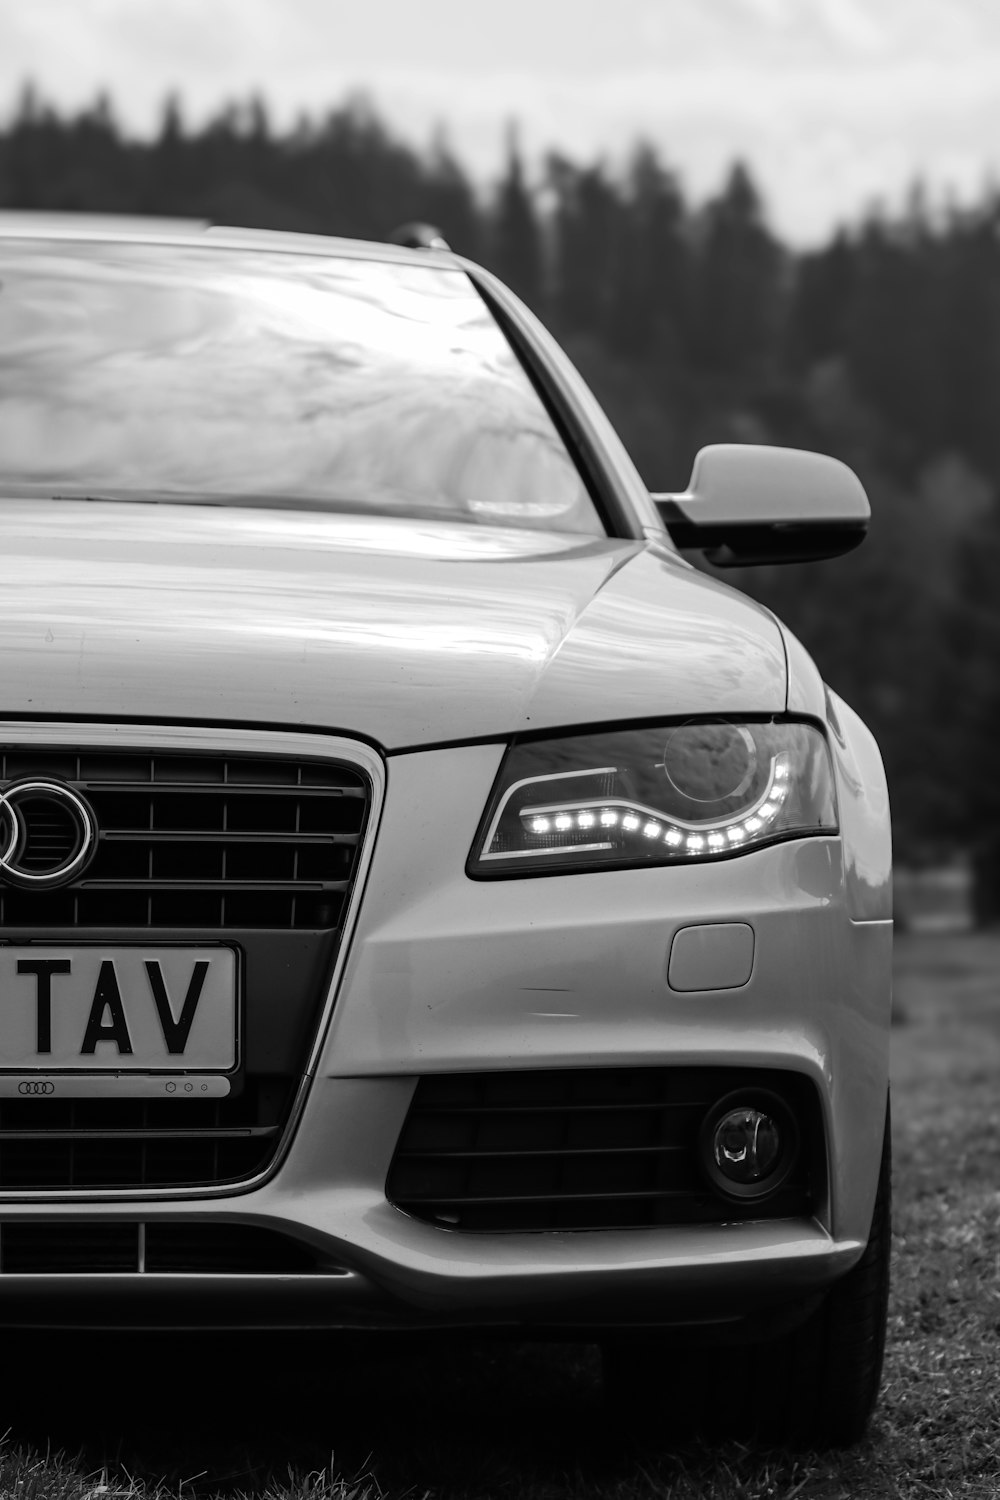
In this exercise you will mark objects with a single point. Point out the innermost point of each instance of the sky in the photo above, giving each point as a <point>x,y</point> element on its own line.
<point>834,104</point>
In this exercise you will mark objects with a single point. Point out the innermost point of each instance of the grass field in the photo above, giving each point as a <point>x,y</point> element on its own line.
<point>293,1418</point>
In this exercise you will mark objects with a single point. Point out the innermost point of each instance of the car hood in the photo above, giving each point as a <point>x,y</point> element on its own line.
<point>406,633</point>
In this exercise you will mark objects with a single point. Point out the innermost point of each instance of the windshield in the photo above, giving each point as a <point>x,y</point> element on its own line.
<point>166,372</point>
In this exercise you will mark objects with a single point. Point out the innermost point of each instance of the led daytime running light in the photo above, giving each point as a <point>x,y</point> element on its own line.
<point>656,827</point>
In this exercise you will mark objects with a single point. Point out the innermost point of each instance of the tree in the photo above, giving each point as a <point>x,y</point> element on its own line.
<point>738,283</point>
<point>819,313</point>
<point>651,290</point>
<point>447,200</point>
<point>516,240</point>
<point>587,245</point>
<point>170,183</point>
<point>891,335</point>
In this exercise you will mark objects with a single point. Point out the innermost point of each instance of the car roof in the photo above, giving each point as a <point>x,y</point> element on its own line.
<point>121,228</point>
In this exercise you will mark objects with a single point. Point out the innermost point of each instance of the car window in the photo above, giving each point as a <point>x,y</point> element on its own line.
<point>245,376</point>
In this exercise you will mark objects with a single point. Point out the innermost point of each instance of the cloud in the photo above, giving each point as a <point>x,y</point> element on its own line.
<point>858,27</point>
<point>831,101</point>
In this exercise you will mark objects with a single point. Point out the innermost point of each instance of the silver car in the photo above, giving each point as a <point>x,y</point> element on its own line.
<point>426,900</point>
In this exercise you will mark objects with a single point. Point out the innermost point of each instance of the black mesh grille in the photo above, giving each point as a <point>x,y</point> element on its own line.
<point>200,841</point>
<point>583,1149</point>
<point>100,1143</point>
<point>224,1249</point>
<point>257,852</point>
<point>54,837</point>
<point>51,1248</point>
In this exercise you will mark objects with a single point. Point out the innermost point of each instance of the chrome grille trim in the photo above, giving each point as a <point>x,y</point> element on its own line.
<point>164,739</point>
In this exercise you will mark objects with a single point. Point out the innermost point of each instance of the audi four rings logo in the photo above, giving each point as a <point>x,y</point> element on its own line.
<point>48,834</point>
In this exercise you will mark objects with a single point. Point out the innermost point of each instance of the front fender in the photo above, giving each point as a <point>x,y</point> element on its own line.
<point>862,791</point>
<point>863,797</point>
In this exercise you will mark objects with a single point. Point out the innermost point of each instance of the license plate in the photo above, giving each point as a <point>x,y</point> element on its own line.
<point>118,1010</point>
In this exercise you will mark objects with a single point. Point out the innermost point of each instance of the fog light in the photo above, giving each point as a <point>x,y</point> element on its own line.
<point>749,1143</point>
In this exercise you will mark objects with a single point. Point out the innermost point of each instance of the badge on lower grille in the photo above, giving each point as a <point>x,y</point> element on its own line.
<point>111,1086</point>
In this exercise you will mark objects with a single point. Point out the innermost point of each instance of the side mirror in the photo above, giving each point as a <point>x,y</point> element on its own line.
<point>748,504</point>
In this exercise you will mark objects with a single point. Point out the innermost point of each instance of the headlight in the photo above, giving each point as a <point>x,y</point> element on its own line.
<point>681,792</point>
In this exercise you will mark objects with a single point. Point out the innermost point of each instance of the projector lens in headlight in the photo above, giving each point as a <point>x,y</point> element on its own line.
<point>699,790</point>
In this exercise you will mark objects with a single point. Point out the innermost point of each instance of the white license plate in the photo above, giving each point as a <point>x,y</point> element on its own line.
<point>118,1010</point>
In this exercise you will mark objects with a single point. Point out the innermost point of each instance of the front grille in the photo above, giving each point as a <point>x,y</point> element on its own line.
<point>35,1248</point>
<point>594,1148</point>
<point>198,841</point>
<point>257,851</point>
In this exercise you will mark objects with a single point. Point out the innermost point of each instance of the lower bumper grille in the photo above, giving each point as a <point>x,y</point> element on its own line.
<point>95,1143</point>
<point>213,1249</point>
<point>581,1148</point>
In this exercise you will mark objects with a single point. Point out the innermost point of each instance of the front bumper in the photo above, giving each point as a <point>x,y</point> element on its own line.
<point>446,974</point>
<point>421,1279</point>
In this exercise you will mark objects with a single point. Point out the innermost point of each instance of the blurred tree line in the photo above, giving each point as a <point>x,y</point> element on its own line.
<point>694,324</point>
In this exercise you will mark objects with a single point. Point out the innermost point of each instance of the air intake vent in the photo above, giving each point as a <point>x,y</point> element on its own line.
<point>38,1248</point>
<point>595,1148</point>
